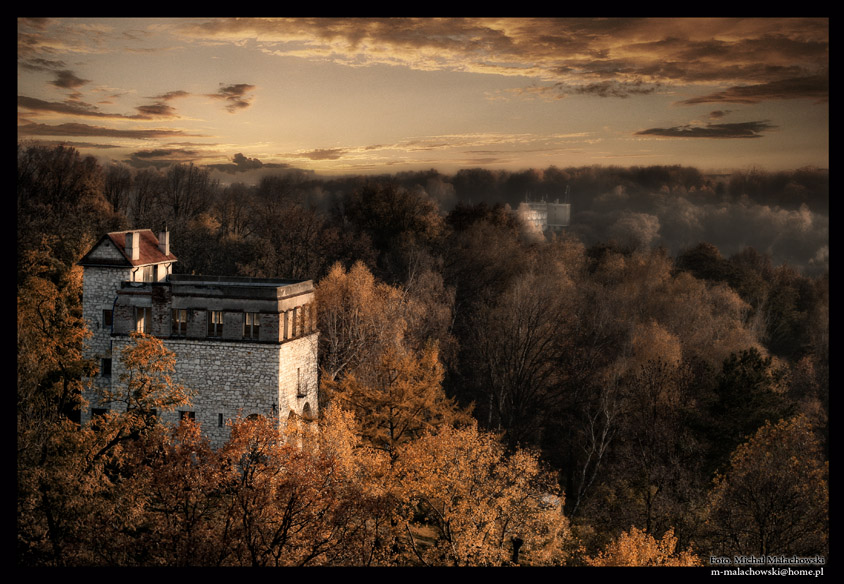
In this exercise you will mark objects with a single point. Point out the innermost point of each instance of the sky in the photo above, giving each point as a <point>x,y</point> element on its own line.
<point>340,96</point>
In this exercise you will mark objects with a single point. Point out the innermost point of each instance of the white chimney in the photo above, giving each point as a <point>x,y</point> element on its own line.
<point>164,242</point>
<point>133,245</point>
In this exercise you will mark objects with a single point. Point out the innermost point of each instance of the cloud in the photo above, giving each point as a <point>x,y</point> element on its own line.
<point>76,129</point>
<point>76,108</point>
<point>324,154</point>
<point>40,64</point>
<point>162,157</point>
<point>735,130</point>
<point>615,89</point>
<point>171,95</point>
<point>610,57</point>
<point>235,95</point>
<point>814,87</point>
<point>241,163</point>
<point>66,79</point>
<point>155,110</point>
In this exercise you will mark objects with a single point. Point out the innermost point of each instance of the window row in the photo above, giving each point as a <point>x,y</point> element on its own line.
<point>251,323</point>
<point>296,322</point>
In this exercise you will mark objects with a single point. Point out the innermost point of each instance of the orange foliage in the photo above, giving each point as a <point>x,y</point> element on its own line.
<point>638,548</point>
<point>476,500</point>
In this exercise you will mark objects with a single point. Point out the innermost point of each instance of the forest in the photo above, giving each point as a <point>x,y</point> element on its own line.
<point>649,387</point>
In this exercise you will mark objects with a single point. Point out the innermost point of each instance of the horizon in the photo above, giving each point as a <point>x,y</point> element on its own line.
<point>363,96</point>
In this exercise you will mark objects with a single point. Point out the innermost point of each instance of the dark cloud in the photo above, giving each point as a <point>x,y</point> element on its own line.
<point>76,129</point>
<point>616,89</point>
<point>74,108</point>
<point>241,163</point>
<point>157,110</point>
<point>82,109</point>
<point>812,87</point>
<point>235,95</point>
<point>323,154</point>
<point>171,95</point>
<point>163,153</point>
<point>72,144</point>
<point>42,65</point>
<point>736,130</point>
<point>160,109</point>
<point>66,79</point>
<point>162,157</point>
<point>70,108</point>
<point>245,163</point>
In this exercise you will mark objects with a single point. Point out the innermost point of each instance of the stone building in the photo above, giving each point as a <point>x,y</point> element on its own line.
<point>542,216</point>
<point>245,346</point>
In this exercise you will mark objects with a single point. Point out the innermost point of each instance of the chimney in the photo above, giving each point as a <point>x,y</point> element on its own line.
<point>164,241</point>
<point>133,245</point>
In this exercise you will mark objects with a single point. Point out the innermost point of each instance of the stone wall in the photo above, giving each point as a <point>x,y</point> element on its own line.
<point>231,379</point>
<point>99,289</point>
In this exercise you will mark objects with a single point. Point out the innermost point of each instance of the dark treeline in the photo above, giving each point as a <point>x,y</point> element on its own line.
<point>637,352</point>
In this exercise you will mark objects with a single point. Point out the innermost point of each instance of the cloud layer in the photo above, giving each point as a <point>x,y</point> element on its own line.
<point>700,60</point>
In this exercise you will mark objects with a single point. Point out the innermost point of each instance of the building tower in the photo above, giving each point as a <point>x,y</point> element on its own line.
<point>245,346</point>
<point>122,256</point>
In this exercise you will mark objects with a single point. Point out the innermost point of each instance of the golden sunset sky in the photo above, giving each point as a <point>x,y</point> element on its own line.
<point>362,96</point>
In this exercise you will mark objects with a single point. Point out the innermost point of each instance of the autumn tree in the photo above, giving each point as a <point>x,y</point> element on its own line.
<point>359,317</point>
<point>639,548</point>
<point>773,499</point>
<point>466,501</point>
<point>146,385</point>
<point>79,494</point>
<point>296,503</point>
<point>181,477</point>
<point>51,369</point>
<point>397,398</point>
<point>50,335</point>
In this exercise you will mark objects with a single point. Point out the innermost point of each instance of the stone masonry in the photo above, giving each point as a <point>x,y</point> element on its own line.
<point>244,346</point>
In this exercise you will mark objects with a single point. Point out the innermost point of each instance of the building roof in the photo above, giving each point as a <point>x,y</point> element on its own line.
<point>149,252</point>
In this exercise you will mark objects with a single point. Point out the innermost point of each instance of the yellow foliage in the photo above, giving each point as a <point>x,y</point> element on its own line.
<point>397,398</point>
<point>358,317</point>
<point>477,500</point>
<point>638,548</point>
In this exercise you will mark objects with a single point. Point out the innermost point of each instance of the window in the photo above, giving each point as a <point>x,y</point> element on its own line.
<point>184,415</point>
<point>98,412</point>
<point>107,316</point>
<point>251,325</point>
<point>143,319</point>
<point>220,420</point>
<point>105,367</point>
<point>180,322</point>
<point>148,273</point>
<point>215,323</point>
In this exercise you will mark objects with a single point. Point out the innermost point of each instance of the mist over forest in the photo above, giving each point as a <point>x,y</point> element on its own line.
<point>784,214</point>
